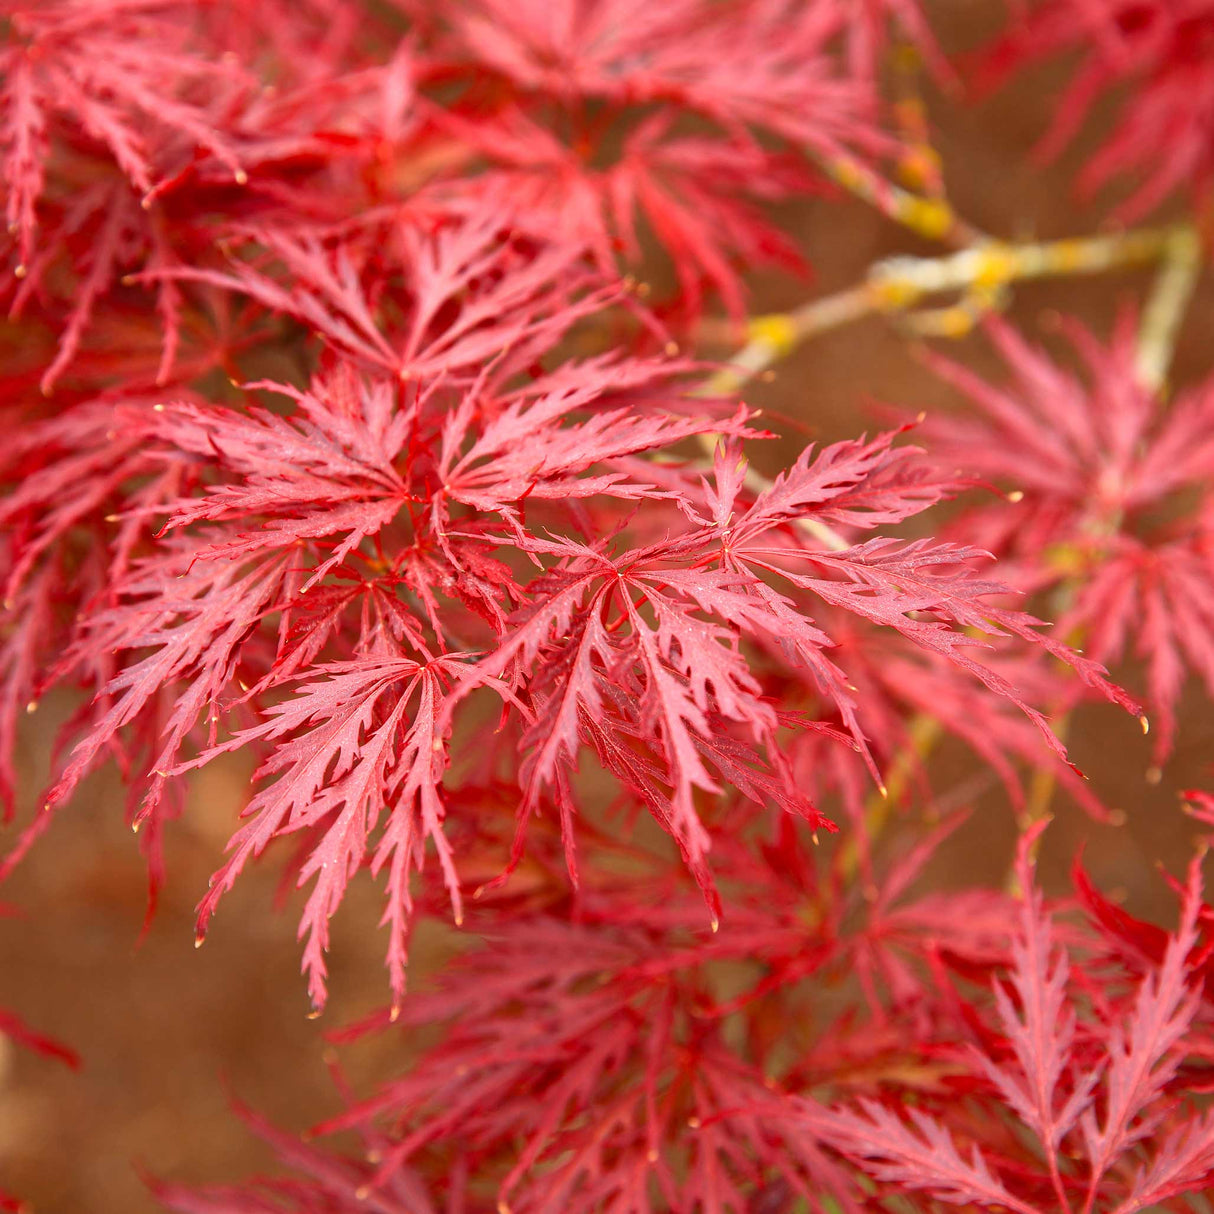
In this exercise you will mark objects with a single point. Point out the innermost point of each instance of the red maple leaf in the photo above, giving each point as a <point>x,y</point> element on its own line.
<point>1160,49</point>
<point>1105,471</point>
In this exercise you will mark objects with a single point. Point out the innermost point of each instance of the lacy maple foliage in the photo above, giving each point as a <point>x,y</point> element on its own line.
<point>343,437</point>
<point>1165,49</point>
<point>1112,503</point>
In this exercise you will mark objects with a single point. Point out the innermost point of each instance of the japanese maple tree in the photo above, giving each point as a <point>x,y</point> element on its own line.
<point>365,422</point>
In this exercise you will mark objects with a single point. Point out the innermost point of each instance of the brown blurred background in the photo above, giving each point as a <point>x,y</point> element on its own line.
<point>161,1026</point>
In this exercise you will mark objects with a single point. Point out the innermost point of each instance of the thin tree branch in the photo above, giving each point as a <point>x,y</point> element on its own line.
<point>1166,307</point>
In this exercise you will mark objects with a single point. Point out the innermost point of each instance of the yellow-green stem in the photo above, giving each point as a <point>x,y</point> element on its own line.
<point>923,732</point>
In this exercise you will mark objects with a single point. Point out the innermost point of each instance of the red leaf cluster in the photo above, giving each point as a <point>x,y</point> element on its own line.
<point>1164,51</point>
<point>1008,1058</point>
<point>342,437</point>
<point>1113,505</point>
